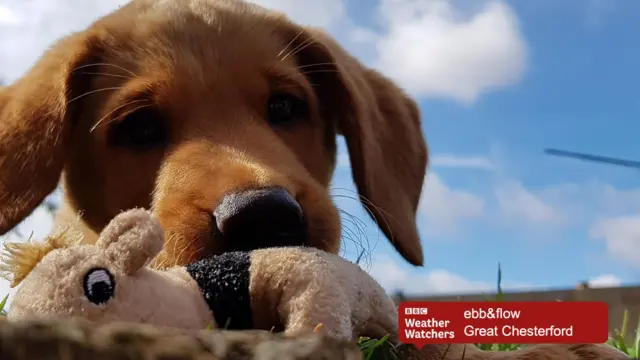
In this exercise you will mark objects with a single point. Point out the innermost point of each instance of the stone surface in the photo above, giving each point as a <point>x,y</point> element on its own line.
<point>75,340</point>
<point>80,340</point>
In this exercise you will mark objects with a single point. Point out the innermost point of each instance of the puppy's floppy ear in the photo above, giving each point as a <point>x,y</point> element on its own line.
<point>132,238</point>
<point>36,114</point>
<point>381,125</point>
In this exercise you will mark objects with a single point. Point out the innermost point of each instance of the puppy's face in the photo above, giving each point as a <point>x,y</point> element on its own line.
<point>198,121</point>
<point>222,117</point>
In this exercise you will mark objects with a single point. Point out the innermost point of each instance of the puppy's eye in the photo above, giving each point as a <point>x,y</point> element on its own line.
<point>141,130</point>
<point>99,286</point>
<point>283,109</point>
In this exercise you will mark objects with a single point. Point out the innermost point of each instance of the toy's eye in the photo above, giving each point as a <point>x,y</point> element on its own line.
<point>99,286</point>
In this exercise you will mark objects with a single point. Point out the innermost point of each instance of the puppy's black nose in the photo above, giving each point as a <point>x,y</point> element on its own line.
<point>260,218</point>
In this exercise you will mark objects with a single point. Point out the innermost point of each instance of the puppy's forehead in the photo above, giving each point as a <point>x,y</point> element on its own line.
<point>207,9</point>
<point>214,13</point>
<point>197,39</point>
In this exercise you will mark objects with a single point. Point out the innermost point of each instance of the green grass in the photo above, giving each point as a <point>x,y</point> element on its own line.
<point>377,349</point>
<point>3,304</point>
<point>618,340</point>
<point>382,349</point>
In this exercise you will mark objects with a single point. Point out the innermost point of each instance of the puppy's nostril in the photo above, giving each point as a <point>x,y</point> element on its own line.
<point>259,218</point>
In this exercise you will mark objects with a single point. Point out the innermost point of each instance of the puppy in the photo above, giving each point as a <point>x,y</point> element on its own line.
<point>221,117</point>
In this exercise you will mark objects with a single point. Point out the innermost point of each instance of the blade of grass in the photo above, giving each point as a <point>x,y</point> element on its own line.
<point>623,333</point>
<point>500,294</point>
<point>3,303</point>
<point>373,349</point>
<point>635,350</point>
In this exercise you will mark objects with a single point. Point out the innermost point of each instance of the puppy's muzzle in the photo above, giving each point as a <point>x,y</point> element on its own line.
<point>259,218</point>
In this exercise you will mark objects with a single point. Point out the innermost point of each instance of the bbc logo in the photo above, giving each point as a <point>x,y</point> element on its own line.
<point>415,311</point>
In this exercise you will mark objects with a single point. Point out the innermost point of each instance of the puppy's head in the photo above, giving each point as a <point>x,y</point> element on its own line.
<point>219,115</point>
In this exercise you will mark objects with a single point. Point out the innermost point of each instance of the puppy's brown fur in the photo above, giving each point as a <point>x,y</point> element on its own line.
<point>206,68</point>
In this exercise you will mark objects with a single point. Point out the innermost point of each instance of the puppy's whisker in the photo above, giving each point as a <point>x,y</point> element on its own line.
<point>359,225</point>
<point>303,45</point>
<point>134,75</point>
<point>316,64</point>
<point>350,237</point>
<point>186,245</point>
<point>349,234</point>
<point>289,44</point>
<point>107,74</point>
<point>359,258</point>
<point>367,209</point>
<point>155,264</point>
<point>283,58</point>
<point>357,230</point>
<point>364,247</point>
<point>177,259</point>
<point>94,92</point>
<point>123,115</point>
<point>356,220</point>
<point>114,110</point>
<point>368,205</point>
<point>330,71</point>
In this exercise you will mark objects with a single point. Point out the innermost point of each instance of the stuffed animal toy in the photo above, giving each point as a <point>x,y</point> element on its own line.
<point>289,289</point>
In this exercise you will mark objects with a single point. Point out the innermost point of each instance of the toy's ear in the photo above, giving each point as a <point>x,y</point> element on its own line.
<point>132,239</point>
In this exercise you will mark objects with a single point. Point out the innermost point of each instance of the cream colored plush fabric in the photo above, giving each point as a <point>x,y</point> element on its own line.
<point>293,289</point>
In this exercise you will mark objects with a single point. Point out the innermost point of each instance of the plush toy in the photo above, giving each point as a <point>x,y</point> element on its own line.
<point>290,289</point>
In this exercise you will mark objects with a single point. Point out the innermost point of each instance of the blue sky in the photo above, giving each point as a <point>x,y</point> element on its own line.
<point>497,83</point>
<point>550,222</point>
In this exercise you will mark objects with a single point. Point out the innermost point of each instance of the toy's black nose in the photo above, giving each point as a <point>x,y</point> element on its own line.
<point>260,218</point>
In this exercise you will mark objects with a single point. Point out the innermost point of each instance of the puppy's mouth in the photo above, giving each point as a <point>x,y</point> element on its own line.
<point>259,218</point>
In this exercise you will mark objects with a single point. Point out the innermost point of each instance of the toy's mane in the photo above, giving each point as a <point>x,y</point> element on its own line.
<point>18,259</point>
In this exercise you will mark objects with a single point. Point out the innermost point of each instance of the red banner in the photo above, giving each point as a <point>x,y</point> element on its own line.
<point>438,322</point>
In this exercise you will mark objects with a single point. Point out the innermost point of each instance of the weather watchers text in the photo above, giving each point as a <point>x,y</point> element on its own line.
<point>423,323</point>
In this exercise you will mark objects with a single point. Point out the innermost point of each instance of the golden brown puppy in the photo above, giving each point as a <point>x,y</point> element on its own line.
<point>220,116</point>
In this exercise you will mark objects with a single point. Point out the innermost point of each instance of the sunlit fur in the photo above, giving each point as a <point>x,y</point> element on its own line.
<point>207,67</point>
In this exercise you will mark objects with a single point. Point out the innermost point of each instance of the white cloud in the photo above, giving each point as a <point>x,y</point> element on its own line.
<point>571,203</point>
<point>515,202</point>
<point>605,280</point>
<point>431,47</point>
<point>394,278</point>
<point>435,49</point>
<point>27,28</point>
<point>462,162</point>
<point>621,236</point>
<point>444,208</point>
<point>7,16</point>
